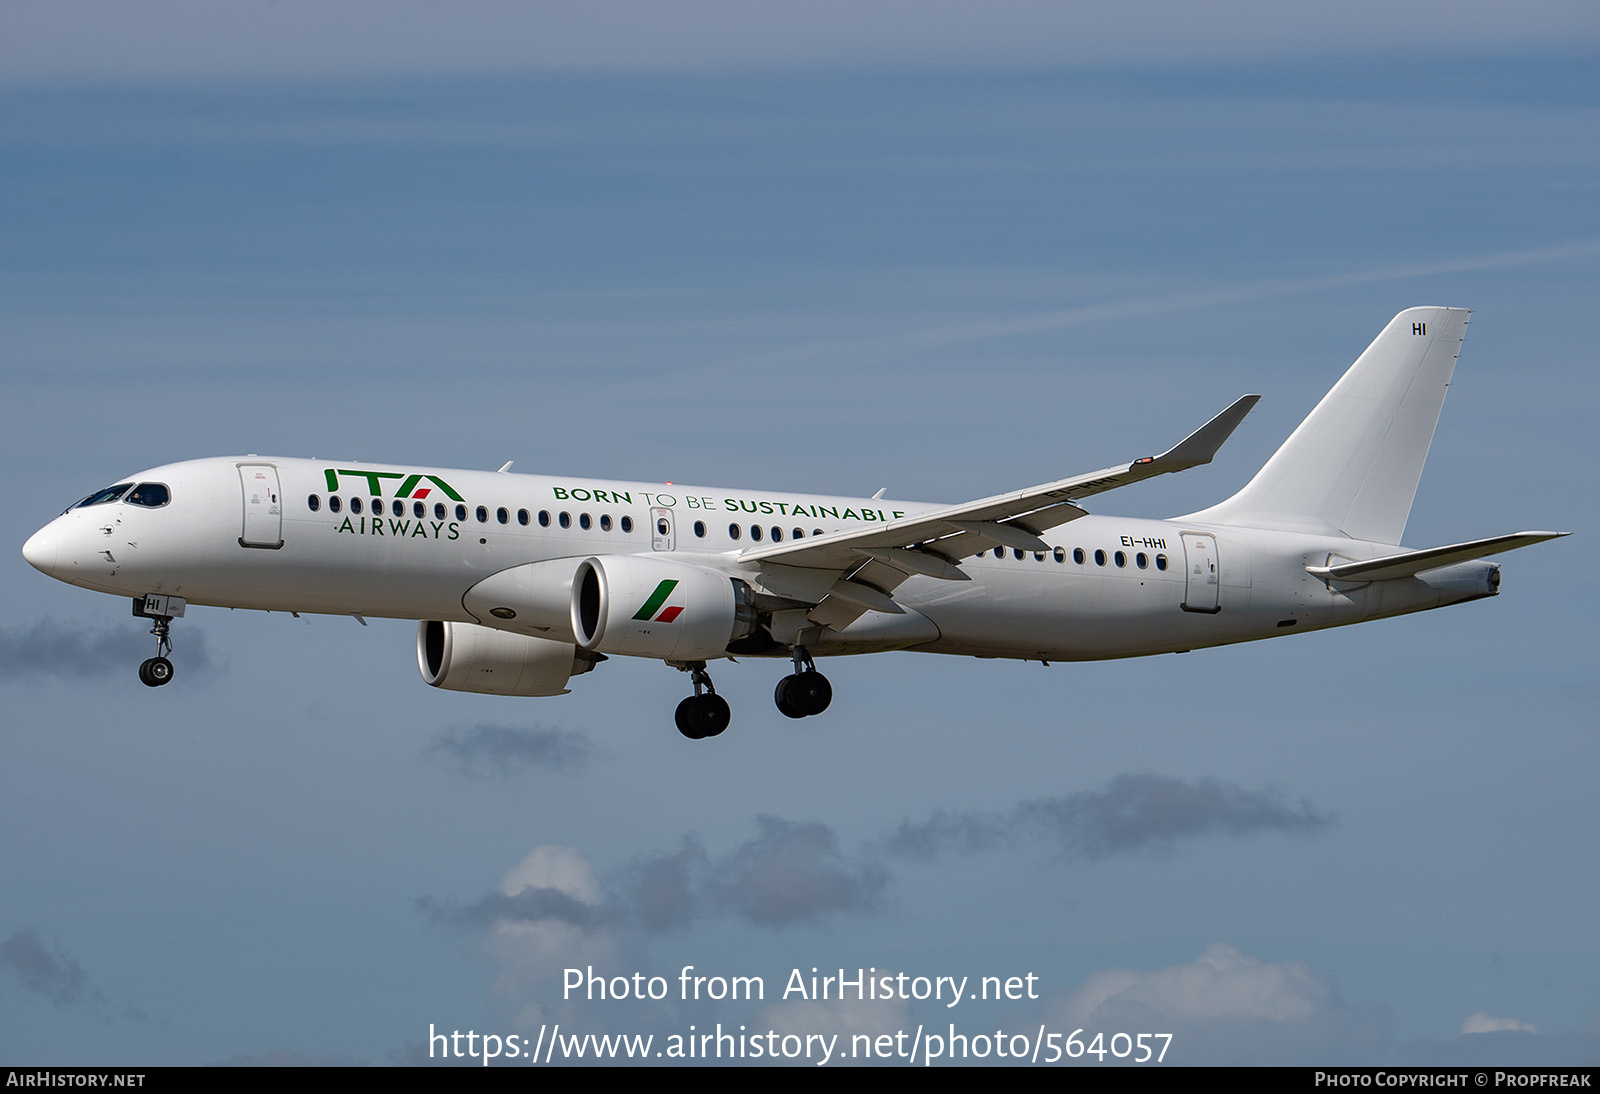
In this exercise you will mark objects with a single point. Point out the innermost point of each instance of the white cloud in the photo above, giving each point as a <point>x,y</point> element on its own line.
<point>1227,1007</point>
<point>1220,983</point>
<point>533,952</point>
<point>1485,1023</point>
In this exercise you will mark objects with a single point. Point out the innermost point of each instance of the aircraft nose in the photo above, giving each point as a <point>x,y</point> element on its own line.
<point>43,549</point>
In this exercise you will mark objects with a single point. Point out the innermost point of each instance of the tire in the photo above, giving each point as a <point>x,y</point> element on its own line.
<point>781,697</point>
<point>159,671</point>
<point>688,724</point>
<point>810,693</point>
<point>715,714</point>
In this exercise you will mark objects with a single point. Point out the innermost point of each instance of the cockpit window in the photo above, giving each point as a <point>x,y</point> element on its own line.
<point>100,497</point>
<point>151,495</point>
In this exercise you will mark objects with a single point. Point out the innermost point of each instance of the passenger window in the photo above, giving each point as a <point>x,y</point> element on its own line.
<point>1161,562</point>
<point>584,522</point>
<point>419,510</point>
<point>605,522</point>
<point>334,504</point>
<point>400,508</point>
<point>565,520</point>
<point>1099,558</point>
<point>999,552</point>
<point>1061,554</point>
<point>755,532</point>
<point>777,535</point>
<point>377,507</point>
<point>1122,559</point>
<point>816,531</point>
<point>699,529</point>
<point>461,512</point>
<point>313,503</point>
<point>523,517</point>
<point>1077,555</point>
<point>733,531</point>
<point>1018,552</point>
<point>544,518</point>
<point>627,524</point>
<point>503,515</point>
<point>482,514</point>
<point>1143,560</point>
<point>798,533</point>
<point>439,510</point>
<point>1038,556</point>
<point>355,505</point>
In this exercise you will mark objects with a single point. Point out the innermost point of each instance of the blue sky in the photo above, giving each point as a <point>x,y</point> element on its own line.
<point>950,257</point>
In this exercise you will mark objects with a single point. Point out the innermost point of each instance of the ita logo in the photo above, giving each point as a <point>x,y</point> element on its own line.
<point>408,487</point>
<point>647,611</point>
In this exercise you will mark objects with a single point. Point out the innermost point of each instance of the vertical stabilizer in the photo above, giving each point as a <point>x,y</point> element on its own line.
<point>1353,465</point>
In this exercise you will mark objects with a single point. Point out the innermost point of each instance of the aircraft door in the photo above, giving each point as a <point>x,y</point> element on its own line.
<point>263,506</point>
<point>661,535</point>
<point>1203,578</point>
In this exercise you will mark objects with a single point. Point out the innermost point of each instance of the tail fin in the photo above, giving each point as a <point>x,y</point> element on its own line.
<point>1353,465</point>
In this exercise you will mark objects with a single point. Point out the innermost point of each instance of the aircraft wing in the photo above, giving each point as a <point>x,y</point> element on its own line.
<point>871,562</point>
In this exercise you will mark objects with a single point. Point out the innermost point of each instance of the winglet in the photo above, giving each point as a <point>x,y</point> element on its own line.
<point>1201,445</point>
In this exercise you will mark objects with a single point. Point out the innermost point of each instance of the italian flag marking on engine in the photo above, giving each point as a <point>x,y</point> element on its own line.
<point>648,609</point>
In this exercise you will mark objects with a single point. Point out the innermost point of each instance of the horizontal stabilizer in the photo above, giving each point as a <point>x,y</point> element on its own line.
<point>1409,563</point>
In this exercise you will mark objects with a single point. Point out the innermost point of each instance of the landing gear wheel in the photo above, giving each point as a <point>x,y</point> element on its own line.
<point>781,697</point>
<point>702,716</point>
<point>805,691</point>
<point>809,693</point>
<point>155,672</point>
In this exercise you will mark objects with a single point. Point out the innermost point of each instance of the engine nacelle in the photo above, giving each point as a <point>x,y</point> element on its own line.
<point>467,657</point>
<point>533,599</point>
<point>651,607</point>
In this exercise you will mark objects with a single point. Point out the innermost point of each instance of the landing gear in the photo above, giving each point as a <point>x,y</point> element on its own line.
<point>705,713</point>
<point>157,670</point>
<point>806,691</point>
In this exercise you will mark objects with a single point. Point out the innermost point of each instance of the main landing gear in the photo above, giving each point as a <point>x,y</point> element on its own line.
<point>805,691</point>
<point>157,670</point>
<point>705,713</point>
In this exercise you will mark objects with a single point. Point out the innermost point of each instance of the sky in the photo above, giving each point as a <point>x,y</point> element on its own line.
<point>942,249</point>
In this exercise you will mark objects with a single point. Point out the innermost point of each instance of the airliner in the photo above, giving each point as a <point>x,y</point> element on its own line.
<point>522,582</point>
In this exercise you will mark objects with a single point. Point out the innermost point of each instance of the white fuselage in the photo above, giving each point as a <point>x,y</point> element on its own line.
<point>333,537</point>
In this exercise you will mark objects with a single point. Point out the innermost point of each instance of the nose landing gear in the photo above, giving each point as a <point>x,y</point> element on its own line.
<point>804,692</point>
<point>157,670</point>
<point>705,713</point>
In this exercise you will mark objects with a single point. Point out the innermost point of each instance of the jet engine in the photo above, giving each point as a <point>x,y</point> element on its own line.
<point>467,657</point>
<point>650,607</point>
